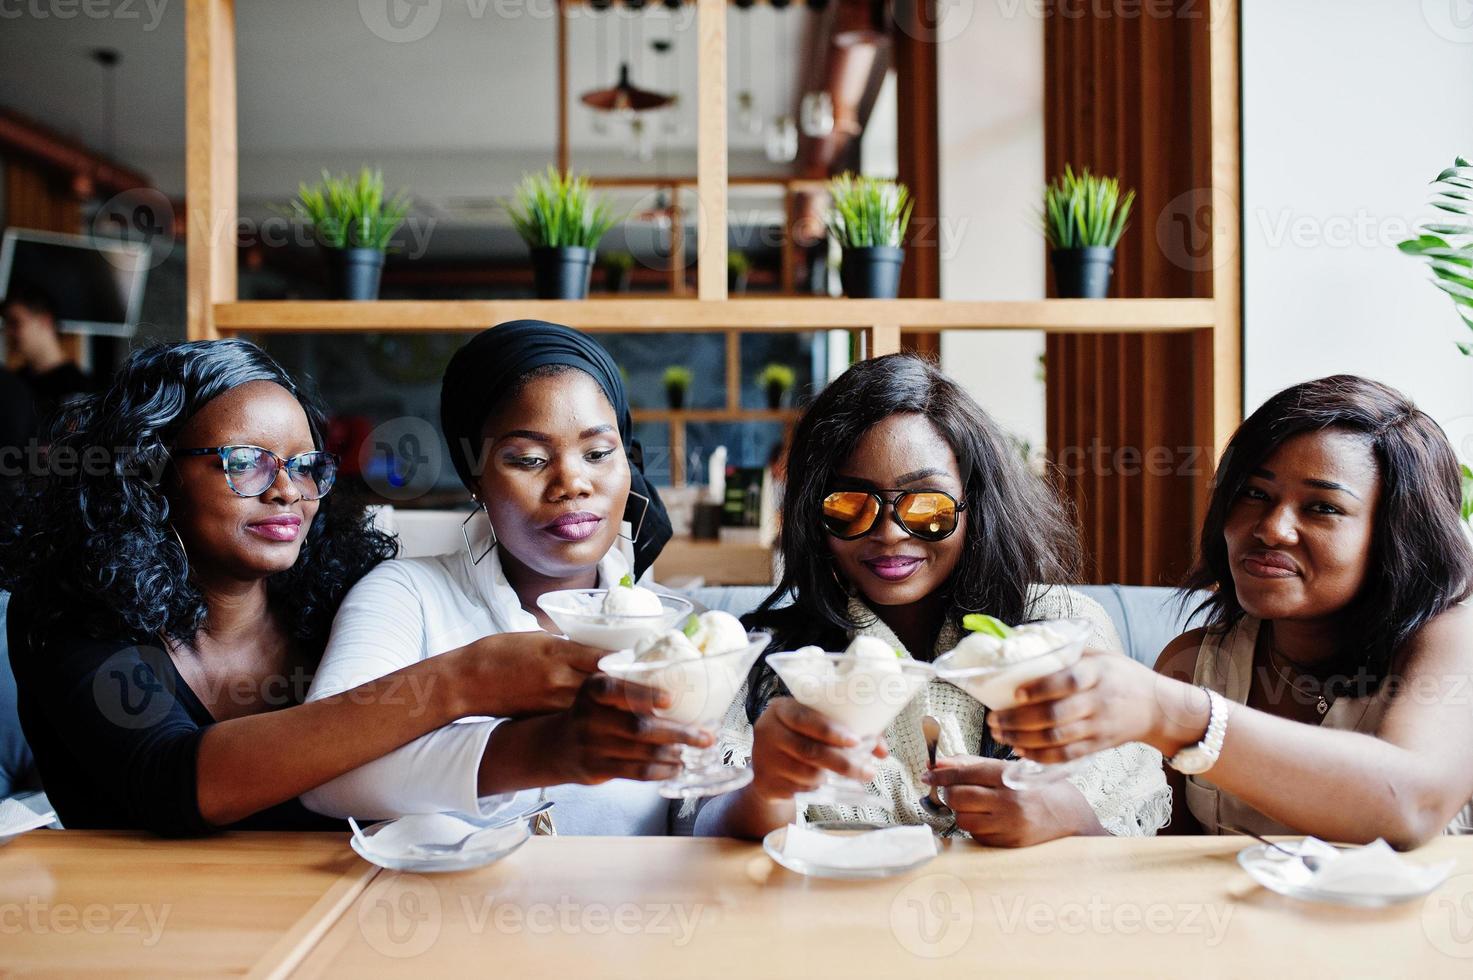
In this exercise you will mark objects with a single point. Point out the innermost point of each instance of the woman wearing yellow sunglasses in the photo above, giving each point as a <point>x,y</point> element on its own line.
<point>906,509</point>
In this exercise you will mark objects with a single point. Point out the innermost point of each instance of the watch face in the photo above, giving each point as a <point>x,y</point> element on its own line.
<point>1191,761</point>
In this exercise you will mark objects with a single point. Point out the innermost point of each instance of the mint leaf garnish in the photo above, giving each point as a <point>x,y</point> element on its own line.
<point>627,581</point>
<point>691,625</point>
<point>987,625</point>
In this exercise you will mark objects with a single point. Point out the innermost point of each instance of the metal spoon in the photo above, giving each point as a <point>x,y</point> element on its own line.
<point>1308,860</point>
<point>459,845</point>
<point>932,802</point>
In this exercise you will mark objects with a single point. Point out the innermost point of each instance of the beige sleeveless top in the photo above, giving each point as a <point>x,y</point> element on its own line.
<point>1225,665</point>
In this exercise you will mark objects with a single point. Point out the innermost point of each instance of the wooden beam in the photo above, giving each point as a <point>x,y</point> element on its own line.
<point>884,338</point>
<point>711,149</point>
<point>1227,186</point>
<point>695,315</point>
<point>210,161</point>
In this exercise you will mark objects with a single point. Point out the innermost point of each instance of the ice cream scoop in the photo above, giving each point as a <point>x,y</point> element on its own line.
<point>716,632</point>
<point>628,599</point>
<point>671,645</point>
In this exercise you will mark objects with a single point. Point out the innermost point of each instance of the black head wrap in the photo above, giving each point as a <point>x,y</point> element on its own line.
<point>486,369</point>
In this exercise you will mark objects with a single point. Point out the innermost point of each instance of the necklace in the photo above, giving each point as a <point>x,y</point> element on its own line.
<point>1321,704</point>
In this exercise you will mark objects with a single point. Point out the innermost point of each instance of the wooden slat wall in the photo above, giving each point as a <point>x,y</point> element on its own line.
<point>1130,96</point>
<point>916,75</point>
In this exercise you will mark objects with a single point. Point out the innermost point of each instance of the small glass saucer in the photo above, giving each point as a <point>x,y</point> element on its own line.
<point>774,842</point>
<point>506,840</point>
<point>1285,875</point>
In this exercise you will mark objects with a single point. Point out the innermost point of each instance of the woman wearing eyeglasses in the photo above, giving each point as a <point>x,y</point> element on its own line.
<point>540,433</point>
<point>906,509</point>
<point>174,575</point>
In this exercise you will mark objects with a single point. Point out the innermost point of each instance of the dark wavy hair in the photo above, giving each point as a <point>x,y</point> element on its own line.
<point>1420,564</point>
<point>1018,533</point>
<point>91,548</point>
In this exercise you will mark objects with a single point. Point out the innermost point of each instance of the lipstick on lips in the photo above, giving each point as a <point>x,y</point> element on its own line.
<point>1269,564</point>
<point>576,526</point>
<point>892,568</point>
<point>279,527</point>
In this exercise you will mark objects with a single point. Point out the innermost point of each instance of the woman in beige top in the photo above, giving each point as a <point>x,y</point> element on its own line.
<point>1338,649</point>
<point>905,509</point>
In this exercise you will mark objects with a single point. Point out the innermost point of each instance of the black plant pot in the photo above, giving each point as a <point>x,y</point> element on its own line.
<point>355,272</point>
<point>872,273</point>
<point>675,394</point>
<point>562,272</point>
<point>618,279</point>
<point>1083,273</point>
<point>775,396</point>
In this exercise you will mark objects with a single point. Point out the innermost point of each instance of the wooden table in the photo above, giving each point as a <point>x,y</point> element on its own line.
<point>583,907</point>
<point>302,905</point>
<point>78,902</point>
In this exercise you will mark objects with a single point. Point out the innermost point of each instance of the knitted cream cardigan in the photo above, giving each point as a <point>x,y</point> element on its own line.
<point>1124,785</point>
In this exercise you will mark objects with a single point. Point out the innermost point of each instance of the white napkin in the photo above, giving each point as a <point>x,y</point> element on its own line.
<point>400,839</point>
<point>886,848</point>
<point>1374,869</point>
<point>16,818</point>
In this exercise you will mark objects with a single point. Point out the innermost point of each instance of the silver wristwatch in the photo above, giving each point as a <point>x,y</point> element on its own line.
<point>1199,758</point>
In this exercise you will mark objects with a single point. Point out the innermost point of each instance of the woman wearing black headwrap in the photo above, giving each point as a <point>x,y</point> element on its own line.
<point>484,371</point>
<point>539,430</point>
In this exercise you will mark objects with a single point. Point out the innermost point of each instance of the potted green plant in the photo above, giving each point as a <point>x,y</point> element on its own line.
<point>562,221</point>
<point>677,383</point>
<point>1448,247</point>
<point>618,271</point>
<point>868,217</point>
<point>738,266</point>
<point>352,222</point>
<point>776,380</point>
<point>1083,219</point>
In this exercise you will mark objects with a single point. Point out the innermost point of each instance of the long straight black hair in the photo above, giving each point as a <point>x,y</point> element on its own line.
<point>1420,564</point>
<point>1018,533</point>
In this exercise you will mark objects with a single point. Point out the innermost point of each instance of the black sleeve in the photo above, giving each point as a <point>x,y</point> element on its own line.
<point>114,740</point>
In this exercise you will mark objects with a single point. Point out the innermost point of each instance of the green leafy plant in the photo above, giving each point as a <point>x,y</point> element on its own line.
<point>737,263</point>
<point>350,212</point>
<point>1448,246</point>
<point>865,212</point>
<point>777,375</point>
<point>678,377</point>
<point>617,261</point>
<point>1080,210</point>
<point>556,210</point>
<point>1467,506</point>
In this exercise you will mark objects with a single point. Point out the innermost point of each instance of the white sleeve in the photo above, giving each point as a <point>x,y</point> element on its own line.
<point>379,629</point>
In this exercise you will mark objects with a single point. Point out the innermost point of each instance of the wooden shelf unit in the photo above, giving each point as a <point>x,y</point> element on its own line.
<point>213,309</point>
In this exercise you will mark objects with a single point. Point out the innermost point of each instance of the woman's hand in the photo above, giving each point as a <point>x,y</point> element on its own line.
<point>609,733</point>
<point>792,747</point>
<point>1104,700</point>
<point>513,674</point>
<point>1002,817</point>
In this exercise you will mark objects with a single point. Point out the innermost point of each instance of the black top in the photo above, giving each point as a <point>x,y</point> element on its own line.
<point>116,730</point>
<point>17,426</point>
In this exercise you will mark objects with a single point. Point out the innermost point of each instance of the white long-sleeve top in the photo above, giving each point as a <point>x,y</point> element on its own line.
<point>408,610</point>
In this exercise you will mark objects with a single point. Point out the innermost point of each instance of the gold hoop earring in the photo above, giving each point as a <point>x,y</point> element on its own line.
<point>640,523</point>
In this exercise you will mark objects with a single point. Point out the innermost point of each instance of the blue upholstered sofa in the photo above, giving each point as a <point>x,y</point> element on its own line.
<point>1147,619</point>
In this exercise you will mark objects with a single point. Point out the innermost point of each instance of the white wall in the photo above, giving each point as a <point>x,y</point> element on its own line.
<point>991,133</point>
<point>1350,107</point>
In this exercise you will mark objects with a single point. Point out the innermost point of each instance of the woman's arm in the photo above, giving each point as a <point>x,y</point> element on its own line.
<point>1404,783</point>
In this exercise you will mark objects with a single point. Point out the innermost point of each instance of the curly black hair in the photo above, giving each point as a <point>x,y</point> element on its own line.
<point>90,547</point>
